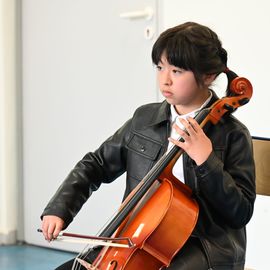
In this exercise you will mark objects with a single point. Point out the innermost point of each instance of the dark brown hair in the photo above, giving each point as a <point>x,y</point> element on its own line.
<point>191,46</point>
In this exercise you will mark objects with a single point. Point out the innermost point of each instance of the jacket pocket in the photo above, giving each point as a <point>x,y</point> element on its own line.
<point>144,146</point>
<point>143,151</point>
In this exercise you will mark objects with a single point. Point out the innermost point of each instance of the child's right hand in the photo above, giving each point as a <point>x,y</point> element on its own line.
<point>51,227</point>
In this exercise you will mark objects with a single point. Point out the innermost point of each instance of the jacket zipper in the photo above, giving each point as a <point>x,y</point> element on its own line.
<point>206,253</point>
<point>185,159</point>
<point>191,167</point>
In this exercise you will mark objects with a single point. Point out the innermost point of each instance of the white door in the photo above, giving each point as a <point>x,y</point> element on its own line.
<point>85,70</point>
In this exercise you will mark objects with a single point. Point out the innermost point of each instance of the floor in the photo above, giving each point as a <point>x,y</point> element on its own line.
<point>28,257</point>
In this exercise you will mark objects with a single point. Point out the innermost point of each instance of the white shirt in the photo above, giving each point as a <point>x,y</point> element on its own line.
<point>178,170</point>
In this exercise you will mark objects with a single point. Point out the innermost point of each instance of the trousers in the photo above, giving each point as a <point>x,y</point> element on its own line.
<point>190,257</point>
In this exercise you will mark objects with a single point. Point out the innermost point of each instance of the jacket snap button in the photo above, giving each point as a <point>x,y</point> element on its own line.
<point>201,170</point>
<point>142,148</point>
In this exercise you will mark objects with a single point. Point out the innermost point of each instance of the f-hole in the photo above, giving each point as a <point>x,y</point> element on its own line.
<point>113,264</point>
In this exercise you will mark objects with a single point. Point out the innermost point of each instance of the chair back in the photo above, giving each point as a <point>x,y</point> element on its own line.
<point>261,148</point>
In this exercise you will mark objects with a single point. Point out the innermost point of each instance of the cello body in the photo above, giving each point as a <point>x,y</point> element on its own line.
<point>159,226</point>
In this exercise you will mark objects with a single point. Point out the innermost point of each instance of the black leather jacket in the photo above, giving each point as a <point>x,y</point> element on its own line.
<point>224,185</point>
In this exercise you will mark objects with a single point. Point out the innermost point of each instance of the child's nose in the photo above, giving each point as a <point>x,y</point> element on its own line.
<point>167,79</point>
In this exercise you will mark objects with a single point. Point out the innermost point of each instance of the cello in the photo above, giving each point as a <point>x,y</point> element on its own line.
<point>161,205</point>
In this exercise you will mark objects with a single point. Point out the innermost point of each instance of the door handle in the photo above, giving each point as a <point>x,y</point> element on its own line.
<point>146,13</point>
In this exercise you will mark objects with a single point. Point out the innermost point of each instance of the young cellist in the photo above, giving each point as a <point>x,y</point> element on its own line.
<point>217,164</point>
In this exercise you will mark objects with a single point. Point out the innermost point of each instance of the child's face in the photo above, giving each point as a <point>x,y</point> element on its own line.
<point>178,86</point>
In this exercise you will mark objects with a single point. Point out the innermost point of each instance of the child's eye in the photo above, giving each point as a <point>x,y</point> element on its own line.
<point>177,71</point>
<point>159,67</point>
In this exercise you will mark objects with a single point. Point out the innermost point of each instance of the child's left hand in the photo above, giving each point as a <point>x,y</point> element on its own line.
<point>197,145</point>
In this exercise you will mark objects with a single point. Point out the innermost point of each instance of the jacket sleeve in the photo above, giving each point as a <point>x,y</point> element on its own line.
<point>229,185</point>
<point>102,166</point>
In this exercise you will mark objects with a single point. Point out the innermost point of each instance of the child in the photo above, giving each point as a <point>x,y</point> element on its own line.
<point>217,165</point>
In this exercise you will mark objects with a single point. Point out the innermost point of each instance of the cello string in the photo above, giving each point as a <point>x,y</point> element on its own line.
<point>86,251</point>
<point>81,255</point>
<point>75,265</point>
<point>89,248</point>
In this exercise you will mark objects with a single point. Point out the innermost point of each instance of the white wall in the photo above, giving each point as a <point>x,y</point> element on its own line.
<point>243,27</point>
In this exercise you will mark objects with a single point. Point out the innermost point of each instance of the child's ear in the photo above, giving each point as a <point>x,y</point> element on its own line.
<point>208,79</point>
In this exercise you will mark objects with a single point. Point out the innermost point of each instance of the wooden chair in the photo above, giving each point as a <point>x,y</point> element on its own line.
<point>261,148</point>
<point>262,161</point>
